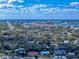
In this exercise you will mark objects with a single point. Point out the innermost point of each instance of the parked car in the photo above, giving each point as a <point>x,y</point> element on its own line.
<point>20,52</point>
<point>59,57</point>
<point>33,52</point>
<point>46,52</point>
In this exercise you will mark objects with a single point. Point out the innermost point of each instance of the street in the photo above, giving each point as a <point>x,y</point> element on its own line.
<point>10,57</point>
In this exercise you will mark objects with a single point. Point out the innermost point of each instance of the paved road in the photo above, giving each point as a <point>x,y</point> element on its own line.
<point>10,57</point>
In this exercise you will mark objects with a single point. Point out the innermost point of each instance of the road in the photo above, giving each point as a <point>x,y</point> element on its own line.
<point>10,57</point>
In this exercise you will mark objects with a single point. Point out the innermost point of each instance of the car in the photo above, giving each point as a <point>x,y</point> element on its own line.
<point>60,53</point>
<point>59,57</point>
<point>20,52</point>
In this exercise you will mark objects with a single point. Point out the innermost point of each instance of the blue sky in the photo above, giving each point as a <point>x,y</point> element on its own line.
<point>39,9</point>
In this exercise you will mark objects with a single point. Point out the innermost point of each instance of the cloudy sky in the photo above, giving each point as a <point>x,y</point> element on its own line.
<point>39,9</point>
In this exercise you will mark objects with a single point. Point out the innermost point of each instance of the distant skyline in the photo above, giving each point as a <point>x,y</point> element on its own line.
<point>39,9</point>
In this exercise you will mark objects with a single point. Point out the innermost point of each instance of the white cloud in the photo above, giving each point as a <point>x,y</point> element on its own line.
<point>37,6</point>
<point>74,3</point>
<point>49,10</point>
<point>35,9</point>
<point>45,9</point>
<point>2,5</point>
<point>2,0</point>
<point>9,3</point>
<point>20,1</point>
<point>70,9</point>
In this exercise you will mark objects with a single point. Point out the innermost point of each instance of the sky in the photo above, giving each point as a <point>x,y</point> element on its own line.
<point>39,9</point>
